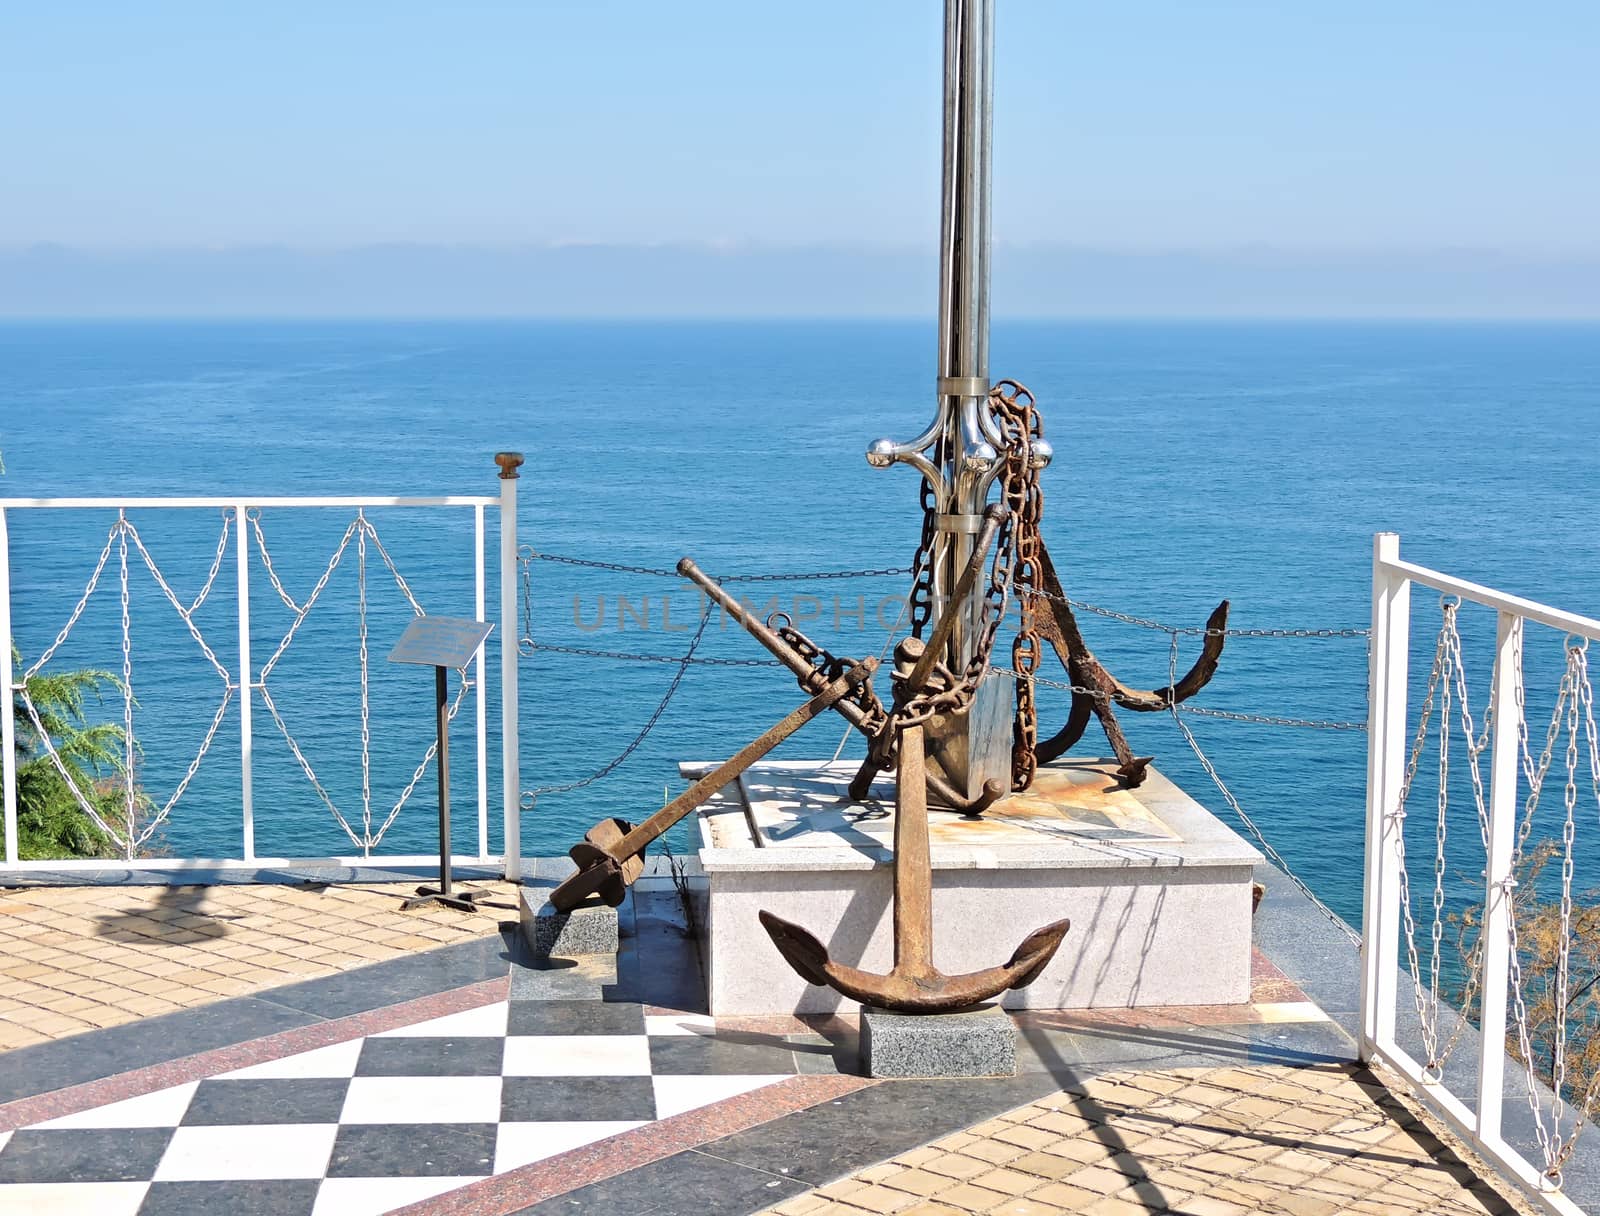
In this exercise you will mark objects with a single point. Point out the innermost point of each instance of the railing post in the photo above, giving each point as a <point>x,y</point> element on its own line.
<point>1386,726</point>
<point>1505,762</point>
<point>8,723</point>
<point>479,666</point>
<point>246,742</point>
<point>510,765</point>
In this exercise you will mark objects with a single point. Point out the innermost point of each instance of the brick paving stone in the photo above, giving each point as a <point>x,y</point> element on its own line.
<point>998,1152</point>
<point>1117,1206</point>
<point>954,1165</point>
<point>970,1198</point>
<point>1044,1165</point>
<point>1064,1196</point>
<point>880,1199</point>
<point>1008,1182</point>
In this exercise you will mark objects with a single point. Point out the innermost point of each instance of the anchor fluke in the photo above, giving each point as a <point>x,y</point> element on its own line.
<point>800,949</point>
<point>1036,951</point>
<point>906,991</point>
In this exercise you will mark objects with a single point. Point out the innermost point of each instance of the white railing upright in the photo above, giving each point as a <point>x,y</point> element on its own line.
<point>8,717</point>
<point>1389,934</point>
<point>511,764</point>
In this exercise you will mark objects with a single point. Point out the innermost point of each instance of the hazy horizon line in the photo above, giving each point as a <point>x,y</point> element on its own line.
<point>698,281</point>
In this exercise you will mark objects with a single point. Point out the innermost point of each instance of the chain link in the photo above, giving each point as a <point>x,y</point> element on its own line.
<point>528,647</point>
<point>1273,855</point>
<point>1196,630</point>
<point>529,797</point>
<point>1271,719</point>
<point>526,555</point>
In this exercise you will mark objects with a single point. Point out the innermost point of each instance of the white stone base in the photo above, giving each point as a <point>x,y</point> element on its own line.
<point>1158,893</point>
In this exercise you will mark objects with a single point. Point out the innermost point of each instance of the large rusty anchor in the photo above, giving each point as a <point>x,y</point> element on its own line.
<point>914,985</point>
<point>611,854</point>
<point>1100,688</point>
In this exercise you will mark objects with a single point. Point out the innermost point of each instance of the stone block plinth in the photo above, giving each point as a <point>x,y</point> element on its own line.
<point>977,1042</point>
<point>590,929</point>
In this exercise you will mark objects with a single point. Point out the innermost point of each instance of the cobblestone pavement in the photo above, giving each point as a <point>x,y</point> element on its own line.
<point>1321,1141</point>
<point>74,959</point>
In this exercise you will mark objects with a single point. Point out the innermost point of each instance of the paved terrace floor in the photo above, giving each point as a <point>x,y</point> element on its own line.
<point>313,1050</point>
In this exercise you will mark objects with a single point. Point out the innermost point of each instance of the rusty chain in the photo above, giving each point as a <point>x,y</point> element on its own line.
<point>827,668</point>
<point>1019,422</point>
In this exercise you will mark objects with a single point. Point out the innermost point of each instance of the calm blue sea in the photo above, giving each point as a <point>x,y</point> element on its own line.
<point>1194,462</point>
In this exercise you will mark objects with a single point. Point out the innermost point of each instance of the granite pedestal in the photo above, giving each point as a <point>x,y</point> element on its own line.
<point>979,1042</point>
<point>1156,887</point>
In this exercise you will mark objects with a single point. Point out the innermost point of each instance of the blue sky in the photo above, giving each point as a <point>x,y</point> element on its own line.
<point>1140,125</point>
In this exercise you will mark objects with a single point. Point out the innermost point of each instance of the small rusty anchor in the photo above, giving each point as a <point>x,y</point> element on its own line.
<point>1060,628</point>
<point>611,854</point>
<point>914,985</point>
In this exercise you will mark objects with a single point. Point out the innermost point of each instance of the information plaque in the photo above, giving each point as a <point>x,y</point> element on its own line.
<point>440,641</point>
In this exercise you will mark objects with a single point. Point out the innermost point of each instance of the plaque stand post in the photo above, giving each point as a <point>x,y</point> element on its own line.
<point>442,643</point>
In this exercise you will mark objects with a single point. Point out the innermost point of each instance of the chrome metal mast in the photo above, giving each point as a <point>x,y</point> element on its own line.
<point>957,453</point>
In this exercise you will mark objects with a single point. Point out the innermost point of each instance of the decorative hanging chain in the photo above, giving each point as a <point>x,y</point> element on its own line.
<point>365,534</point>
<point>135,800</point>
<point>1427,1011</point>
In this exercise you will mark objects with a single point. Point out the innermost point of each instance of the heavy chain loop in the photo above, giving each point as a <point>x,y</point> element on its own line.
<point>826,668</point>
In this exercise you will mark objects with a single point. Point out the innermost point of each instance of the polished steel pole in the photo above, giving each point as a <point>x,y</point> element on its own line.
<point>963,385</point>
<point>957,454</point>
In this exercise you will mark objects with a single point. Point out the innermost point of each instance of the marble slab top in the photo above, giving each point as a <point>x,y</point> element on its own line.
<point>798,815</point>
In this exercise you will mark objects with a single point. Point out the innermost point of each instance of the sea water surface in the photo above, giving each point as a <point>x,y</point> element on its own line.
<point>1194,461</point>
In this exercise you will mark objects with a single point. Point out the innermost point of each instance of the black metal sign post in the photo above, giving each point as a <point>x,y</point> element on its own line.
<point>442,642</point>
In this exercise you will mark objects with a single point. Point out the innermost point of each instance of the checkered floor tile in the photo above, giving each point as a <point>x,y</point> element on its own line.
<point>372,1124</point>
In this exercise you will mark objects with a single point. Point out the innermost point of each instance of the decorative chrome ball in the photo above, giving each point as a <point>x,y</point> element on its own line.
<point>880,453</point>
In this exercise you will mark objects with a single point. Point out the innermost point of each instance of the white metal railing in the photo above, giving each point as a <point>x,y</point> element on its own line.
<point>1398,974</point>
<point>247,681</point>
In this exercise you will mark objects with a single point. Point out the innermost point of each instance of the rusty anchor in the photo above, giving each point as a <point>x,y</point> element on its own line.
<point>914,984</point>
<point>611,854</point>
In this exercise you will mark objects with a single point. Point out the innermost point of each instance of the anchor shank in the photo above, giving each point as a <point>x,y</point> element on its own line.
<point>913,872</point>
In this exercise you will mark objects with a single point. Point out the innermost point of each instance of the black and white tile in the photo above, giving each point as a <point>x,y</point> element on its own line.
<point>375,1123</point>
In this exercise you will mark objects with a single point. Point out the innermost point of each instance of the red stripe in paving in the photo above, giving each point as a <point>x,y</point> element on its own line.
<point>519,1188</point>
